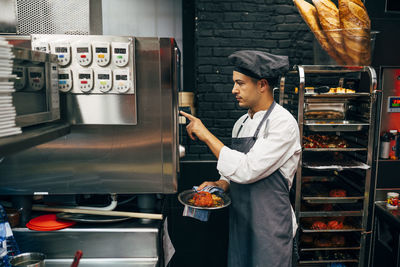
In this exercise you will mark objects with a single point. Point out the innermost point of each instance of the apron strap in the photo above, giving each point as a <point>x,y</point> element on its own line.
<point>261,122</point>
<point>263,119</point>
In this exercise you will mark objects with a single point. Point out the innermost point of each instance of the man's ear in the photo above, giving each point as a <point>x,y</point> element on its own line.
<point>264,85</point>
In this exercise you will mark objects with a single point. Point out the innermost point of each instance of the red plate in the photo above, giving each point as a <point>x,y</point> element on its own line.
<point>48,222</point>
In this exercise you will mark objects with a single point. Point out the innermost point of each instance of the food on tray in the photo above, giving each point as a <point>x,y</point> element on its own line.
<point>326,115</point>
<point>324,141</point>
<point>307,239</point>
<point>337,193</point>
<point>338,240</point>
<point>335,225</point>
<point>341,90</point>
<point>327,207</point>
<point>318,225</point>
<point>322,242</point>
<point>206,199</point>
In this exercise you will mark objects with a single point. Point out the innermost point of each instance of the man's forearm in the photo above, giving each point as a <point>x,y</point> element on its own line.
<point>214,144</point>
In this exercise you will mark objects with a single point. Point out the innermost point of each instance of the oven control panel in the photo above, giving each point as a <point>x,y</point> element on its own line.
<point>92,64</point>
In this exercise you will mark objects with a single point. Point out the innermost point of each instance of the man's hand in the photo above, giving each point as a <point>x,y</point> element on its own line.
<point>220,183</point>
<point>196,128</point>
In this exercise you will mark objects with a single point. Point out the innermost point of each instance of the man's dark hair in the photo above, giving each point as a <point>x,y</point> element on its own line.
<point>273,82</point>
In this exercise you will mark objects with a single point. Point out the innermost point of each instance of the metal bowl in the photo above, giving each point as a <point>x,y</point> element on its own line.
<point>186,195</point>
<point>29,259</point>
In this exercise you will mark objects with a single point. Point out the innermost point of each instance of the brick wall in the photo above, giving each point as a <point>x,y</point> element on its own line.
<point>222,27</point>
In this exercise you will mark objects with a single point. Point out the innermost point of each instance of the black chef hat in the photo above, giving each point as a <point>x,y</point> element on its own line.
<point>258,64</point>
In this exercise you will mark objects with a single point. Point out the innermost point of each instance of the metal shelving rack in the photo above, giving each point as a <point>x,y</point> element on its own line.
<point>310,175</point>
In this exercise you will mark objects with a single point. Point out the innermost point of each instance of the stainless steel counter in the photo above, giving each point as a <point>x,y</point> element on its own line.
<point>129,243</point>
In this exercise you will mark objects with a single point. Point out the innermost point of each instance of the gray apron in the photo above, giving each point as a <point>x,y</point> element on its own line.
<point>260,222</point>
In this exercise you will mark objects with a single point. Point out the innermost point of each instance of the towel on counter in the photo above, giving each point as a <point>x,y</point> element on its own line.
<point>201,214</point>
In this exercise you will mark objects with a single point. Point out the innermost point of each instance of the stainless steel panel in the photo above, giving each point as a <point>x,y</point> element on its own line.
<point>8,16</point>
<point>119,241</point>
<point>101,109</point>
<point>116,262</point>
<point>110,158</point>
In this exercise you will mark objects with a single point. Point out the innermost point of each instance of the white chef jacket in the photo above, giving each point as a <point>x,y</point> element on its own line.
<point>277,148</point>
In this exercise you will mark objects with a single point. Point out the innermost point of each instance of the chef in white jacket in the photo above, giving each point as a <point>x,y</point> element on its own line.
<point>259,165</point>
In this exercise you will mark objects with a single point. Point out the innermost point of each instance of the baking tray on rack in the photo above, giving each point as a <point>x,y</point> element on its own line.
<point>335,125</point>
<point>348,224</point>
<point>330,142</point>
<point>329,248</point>
<point>319,193</point>
<point>332,161</point>
<point>324,256</point>
<point>327,261</point>
<point>345,229</point>
<point>336,95</point>
<point>329,241</point>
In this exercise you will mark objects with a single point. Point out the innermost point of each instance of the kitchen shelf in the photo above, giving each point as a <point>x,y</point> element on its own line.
<point>32,136</point>
<point>304,214</point>
<point>328,261</point>
<point>336,149</point>
<point>331,200</point>
<point>355,118</point>
<point>336,95</point>
<point>329,248</point>
<point>344,230</point>
<point>334,126</point>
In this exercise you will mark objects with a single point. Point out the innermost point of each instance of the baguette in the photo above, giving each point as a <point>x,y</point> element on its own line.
<point>328,15</point>
<point>356,27</point>
<point>309,14</point>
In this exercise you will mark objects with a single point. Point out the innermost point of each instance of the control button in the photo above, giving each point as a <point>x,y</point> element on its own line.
<point>83,56</point>
<point>100,56</point>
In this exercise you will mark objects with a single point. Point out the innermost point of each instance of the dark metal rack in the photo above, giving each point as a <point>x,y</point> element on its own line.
<point>360,152</point>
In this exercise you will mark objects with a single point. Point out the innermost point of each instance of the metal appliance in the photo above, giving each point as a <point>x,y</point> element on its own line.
<point>36,98</point>
<point>120,95</point>
<point>124,116</point>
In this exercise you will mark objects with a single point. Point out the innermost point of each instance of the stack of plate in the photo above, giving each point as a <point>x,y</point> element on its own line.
<point>7,109</point>
<point>48,222</point>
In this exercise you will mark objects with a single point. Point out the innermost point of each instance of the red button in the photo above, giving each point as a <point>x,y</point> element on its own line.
<point>83,56</point>
<point>83,82</point>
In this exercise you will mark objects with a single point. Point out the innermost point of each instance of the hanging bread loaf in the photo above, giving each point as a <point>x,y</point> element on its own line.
<point>356,27</point>
<point>309,14</point>
<point>328,15</point>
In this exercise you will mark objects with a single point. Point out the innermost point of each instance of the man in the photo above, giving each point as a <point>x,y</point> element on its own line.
<point>260,165</point>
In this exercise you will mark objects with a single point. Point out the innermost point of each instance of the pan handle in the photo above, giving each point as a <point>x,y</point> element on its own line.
<point>77,258</point>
